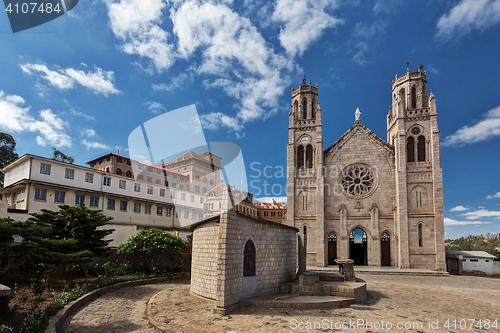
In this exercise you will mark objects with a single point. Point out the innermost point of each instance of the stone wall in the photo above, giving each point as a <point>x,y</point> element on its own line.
<point>218,257</point>
<point>204,259</point>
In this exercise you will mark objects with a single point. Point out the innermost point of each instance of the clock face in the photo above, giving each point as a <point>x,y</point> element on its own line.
<point>305,140</point>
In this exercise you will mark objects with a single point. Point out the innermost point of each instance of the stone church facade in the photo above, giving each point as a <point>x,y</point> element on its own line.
<point>378,202</point>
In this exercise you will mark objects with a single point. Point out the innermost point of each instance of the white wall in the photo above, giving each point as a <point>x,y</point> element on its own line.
<point>484,265</point>
<point>496,267</point>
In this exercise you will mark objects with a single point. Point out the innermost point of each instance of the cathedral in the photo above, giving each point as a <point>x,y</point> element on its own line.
<point>378,202</point>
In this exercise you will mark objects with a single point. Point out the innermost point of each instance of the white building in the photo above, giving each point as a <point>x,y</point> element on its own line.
<point>475,261</point>
<point>33,182</point>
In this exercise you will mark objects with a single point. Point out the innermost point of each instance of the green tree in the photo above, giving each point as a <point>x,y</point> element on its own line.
<point>151,245</point>
<point>6,238</point>
<point>78,223</point>
<point>7,154</point>
<point>50,238</point>
<point>61,157</point>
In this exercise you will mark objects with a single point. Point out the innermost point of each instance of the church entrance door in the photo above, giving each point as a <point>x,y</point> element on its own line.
<point>385,247</point>
<point>332,248</point>
<point>358,247</point>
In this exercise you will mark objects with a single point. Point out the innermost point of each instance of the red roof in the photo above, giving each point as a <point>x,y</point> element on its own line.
<point>148,164</point>
<point>133,159</point>
<point>265,205</point>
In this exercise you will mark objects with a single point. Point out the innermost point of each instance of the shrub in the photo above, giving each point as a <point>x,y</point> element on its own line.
<point>150,245</point>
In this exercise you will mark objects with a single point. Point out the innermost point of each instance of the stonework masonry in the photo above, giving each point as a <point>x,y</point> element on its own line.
<point>218,256</point>
<point>374,201</point>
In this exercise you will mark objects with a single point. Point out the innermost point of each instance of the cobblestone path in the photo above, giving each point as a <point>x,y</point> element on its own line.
<point>416,301</point>
<point>119,311</point>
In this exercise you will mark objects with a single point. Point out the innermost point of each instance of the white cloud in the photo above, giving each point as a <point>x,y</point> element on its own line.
<point>468,15</point>
<point>98,81</point>
<point>458,209</point>
<point>483,130</point>
<point>448,221</point>
<point>214,120</point>
<point>363,36</point>
<point>270,199</point>
<point>234,51</point>
<point>55,79</point>
<point>234,55</point>
<point>176,82</point>
<point>480,213</point>
<point>89,132</point>
<point>155,107</point>
<point>93,144</point>
<point>496,195</point>
<point>304,22</point>
<point>15,118</point>
<point>137,23</point>
<point>81,114</point>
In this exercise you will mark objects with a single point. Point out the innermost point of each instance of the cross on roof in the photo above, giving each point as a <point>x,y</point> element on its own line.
<point>407,63</point>
<point>304,79</point>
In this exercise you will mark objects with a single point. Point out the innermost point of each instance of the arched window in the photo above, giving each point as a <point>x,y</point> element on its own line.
<point>249,259</point>
<point>204,180</point>
<point>309,156</point>
<point>313,113</point>
<point>300,157</point>
<point>413,98</point>
<point>118,171</point>
<point>420,239</point>
<point>304,108</point>
<point>305,230</point>
<point>211,182</point>
<point>402,97</point>
<point>129,174</point>
<point>296,108</point>
<point>197,178</point>
<point>410,149</point>
<point>421,148</point>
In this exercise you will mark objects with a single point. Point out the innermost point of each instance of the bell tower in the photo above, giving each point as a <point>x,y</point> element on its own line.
<point>413,131</point>
<point>305,176</point>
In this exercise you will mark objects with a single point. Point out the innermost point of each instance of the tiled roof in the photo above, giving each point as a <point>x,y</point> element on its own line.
<point>265,205</point>
<point>133,159</point>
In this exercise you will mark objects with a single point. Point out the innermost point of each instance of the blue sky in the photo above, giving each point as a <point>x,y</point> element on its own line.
<point>85,80</point>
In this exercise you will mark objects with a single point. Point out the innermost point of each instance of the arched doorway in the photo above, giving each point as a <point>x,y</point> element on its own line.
<point>358,247</point>
<point>332,248</point>
<point>385,249</point>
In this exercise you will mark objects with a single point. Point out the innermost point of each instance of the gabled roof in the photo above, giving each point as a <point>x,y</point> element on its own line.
<point>358,127</point>
<point>471,254</point>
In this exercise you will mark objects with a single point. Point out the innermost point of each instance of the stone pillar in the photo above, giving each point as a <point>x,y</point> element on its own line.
<point>402,201</point>
<point>229,281</point>
<point>375,237</point>
<point>343,238</point>
<point>302,240</point>
<point>437,187</point>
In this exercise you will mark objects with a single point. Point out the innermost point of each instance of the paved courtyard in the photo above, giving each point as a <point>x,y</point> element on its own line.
<point>414,301</point>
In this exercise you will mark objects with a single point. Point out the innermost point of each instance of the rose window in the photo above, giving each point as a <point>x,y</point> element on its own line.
<point>357,180</point>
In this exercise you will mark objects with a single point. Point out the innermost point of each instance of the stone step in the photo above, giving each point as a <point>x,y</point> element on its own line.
<point>297,302</point>
<point>430,273</point>
<point>330,276</point>
<point>356,290</point>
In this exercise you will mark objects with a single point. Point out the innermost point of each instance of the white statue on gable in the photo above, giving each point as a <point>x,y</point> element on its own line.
<point>357,114</point>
